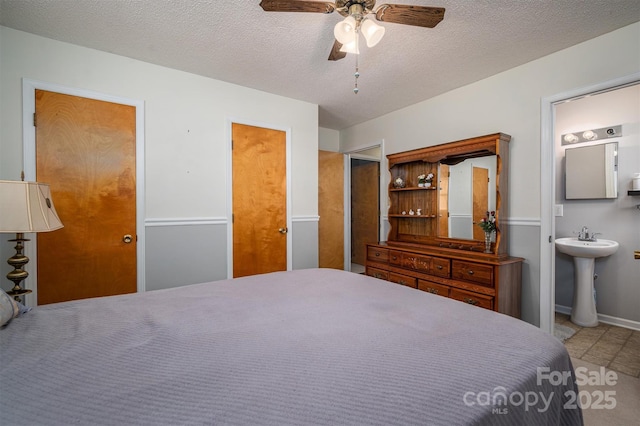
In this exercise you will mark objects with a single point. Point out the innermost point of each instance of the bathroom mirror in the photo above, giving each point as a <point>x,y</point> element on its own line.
<point>591,172</point>
<point>467,191</point>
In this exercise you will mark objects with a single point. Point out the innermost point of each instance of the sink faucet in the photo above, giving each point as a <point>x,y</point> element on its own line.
<point>584,235</point>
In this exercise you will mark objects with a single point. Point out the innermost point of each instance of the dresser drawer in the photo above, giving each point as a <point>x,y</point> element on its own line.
<point>377,254</point>
<point>474,272</point>
<point>472,298</point>
<point>440,267</point>
<point>395,257</point>
<point>403,279</point>
<point>377,273</point>
<point>433,288</point>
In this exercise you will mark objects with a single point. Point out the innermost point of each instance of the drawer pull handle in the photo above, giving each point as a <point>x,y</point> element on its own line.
<point>402,282</point>
<point>395,257</point>
<point>432,290</point>
<point>377,254</point>
<point>439,267</point>
<point>470,301</point>
<point>470,272</point>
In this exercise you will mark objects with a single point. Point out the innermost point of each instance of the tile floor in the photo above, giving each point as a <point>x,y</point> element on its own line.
<point>616,348</point>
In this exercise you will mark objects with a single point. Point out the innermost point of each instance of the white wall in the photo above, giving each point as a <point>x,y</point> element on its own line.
<point>509,102</point>
<point>618,291</point>
<point>328,139</point>
<point>186,127</point>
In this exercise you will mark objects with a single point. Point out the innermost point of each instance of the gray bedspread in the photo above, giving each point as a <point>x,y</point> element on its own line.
<point>304,347</point>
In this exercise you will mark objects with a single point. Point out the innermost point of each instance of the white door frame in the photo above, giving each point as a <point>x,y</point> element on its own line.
<point>29,88</point>
<point>348,155</point>
<point>229,186</point>
<point>547,190</point>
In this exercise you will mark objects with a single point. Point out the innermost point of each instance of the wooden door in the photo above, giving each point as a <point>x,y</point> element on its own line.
<point>480,199</point>
<point>331,209</point>
<point>86,151</point>
<point>259,200</point>
<point>365,190</point>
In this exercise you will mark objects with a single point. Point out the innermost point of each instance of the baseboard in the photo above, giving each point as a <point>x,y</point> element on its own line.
<point>607,319</point>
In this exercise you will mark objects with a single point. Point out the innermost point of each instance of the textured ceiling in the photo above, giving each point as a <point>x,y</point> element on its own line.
<point>286,53</point>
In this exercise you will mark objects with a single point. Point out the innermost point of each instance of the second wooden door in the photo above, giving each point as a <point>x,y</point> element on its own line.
<point>259,200</point>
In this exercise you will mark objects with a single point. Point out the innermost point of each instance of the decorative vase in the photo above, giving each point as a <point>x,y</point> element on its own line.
<point>427,184</point>
<point>487,241</point>
<point>420,185</point>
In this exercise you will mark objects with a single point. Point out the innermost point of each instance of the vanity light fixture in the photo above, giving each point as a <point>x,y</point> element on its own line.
<point>591,135</point>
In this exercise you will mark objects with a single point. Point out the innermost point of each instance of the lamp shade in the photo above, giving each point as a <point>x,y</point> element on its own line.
<point>27,207</point>
<point>351,46</point>
<point>372,32</point>
<point>345,30</point>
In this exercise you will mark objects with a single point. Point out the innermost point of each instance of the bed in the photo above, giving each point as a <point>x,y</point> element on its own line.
<point>315,346</point>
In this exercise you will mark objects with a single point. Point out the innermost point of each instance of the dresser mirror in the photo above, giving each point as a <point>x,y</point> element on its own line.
<point>471,178</point>
<point>466,192</point>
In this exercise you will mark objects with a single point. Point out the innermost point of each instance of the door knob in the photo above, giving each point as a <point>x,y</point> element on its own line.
<point>127,239</point>
<point>283,230</point>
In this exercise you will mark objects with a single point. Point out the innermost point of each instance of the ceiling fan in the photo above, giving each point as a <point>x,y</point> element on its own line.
<point>356,20</point>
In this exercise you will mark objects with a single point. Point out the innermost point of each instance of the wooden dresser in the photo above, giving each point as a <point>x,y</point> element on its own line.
<point>488,282</point>
<point>435,243</point>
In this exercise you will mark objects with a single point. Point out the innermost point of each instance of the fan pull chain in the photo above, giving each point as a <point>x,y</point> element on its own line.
<point>357,73</point>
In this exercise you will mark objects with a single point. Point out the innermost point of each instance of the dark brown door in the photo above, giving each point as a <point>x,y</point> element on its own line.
<point>86,151</point>
<point>331,209</point>
<point>365,190</point>
<point>259,200</point>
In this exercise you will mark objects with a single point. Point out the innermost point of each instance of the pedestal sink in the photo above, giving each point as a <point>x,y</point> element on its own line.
<point>584,253</point>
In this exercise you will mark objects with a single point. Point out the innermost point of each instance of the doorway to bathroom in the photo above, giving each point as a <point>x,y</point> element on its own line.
<point>580,110</point>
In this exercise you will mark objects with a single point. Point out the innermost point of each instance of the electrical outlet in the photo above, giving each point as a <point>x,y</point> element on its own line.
<point>558,210</point>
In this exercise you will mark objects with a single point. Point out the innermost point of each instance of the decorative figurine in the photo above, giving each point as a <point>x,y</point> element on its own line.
<point>411,213</point>
<point>399,183</point>
<point>419,212</point>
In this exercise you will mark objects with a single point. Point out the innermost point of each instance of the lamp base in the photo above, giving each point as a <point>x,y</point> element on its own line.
<point>18,274</point>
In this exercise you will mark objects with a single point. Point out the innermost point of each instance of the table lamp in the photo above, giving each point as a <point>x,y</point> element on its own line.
<point>24,207</point>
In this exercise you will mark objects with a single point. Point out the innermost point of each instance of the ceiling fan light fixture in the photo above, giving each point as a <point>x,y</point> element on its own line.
<point>372,32</point>
<point>345,30</point>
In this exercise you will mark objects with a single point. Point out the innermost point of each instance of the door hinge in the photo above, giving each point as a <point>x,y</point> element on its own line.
<point>34,120</point>
<point>233,217</point>
<point>231,144</point>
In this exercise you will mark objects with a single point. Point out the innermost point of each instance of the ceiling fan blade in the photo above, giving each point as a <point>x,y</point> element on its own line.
<point>297,6</point>
<point>336,54</point>
<point>421,16</point>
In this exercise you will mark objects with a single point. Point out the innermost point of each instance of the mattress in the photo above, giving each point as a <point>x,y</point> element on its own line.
<point>314,346</point>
